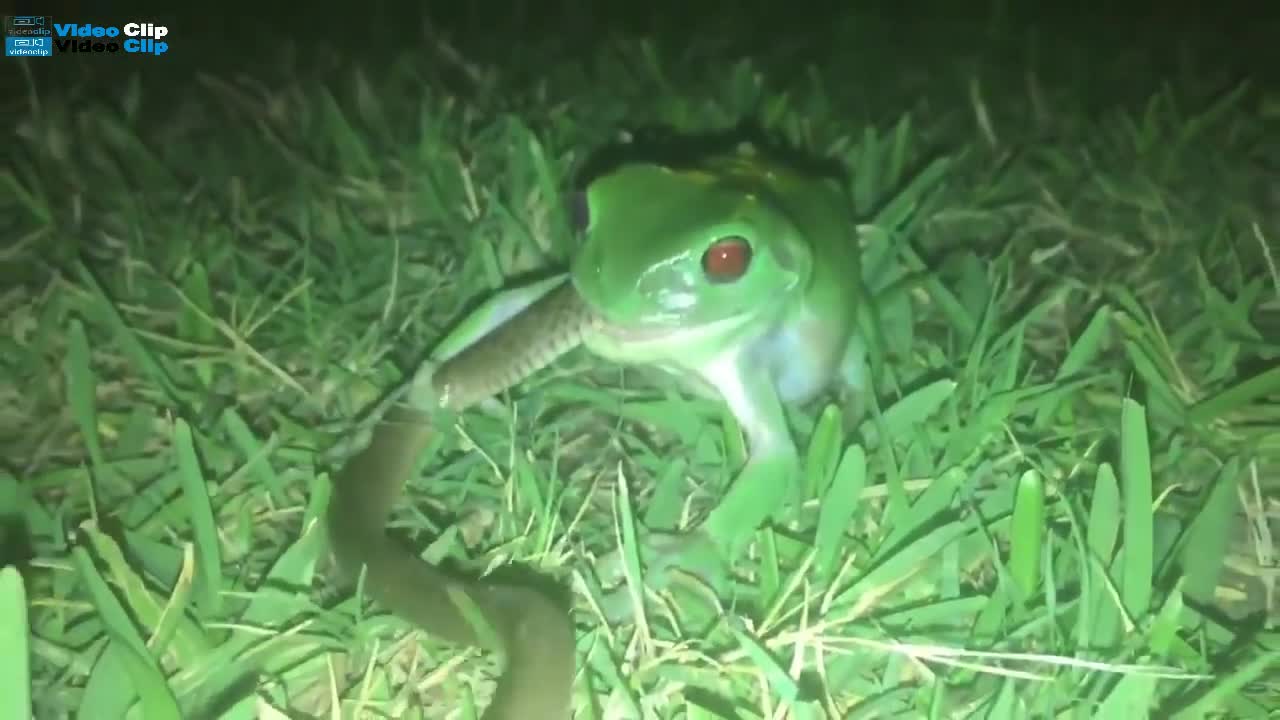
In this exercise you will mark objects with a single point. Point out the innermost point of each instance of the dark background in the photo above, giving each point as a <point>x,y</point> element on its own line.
<point>1239,35</point>
<point>876,58</point>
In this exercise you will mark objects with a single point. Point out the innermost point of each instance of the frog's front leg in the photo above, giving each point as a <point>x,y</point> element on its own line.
<point>773,462</point>
<point>756,492</point>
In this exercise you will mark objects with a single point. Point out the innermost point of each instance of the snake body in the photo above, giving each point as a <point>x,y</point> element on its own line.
<point>534,633</point>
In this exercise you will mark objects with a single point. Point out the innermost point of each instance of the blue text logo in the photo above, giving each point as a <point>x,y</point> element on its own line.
<point>40,36</point>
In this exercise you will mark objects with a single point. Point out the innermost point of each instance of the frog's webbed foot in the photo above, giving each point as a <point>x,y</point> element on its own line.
<point>701,555</point>
<point>664,556</point>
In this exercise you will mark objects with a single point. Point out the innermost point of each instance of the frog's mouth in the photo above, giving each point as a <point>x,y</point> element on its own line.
<point>662,330</point>
<point>647,332</point>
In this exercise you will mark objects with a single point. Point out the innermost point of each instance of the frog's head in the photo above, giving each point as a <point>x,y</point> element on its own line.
<point>670,249</point>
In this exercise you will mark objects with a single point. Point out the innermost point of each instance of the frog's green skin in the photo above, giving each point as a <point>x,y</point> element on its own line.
<point>778,334</point>
<point>638,292</point>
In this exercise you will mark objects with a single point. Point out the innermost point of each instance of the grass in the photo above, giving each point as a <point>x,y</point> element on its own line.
<point>1065,506</point>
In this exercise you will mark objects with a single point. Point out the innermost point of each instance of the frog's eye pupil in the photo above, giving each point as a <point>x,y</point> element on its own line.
<point>579,212</point>
<point>727,259</point>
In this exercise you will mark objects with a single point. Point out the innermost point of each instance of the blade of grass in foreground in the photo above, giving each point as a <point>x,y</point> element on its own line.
<point>1027,536</point>
<point>15,674</point>
<point>839,504</point>
<point>200,510</point>
<point>1135,476</point>
<point>126,658</point>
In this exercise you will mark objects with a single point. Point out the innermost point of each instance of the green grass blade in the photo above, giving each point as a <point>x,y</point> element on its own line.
<point>839,504</point>
<point>195,491</point>
<point>130,651</point>
<point>1026,540</point>
<point>15,661</point>
<point>1135,475</point>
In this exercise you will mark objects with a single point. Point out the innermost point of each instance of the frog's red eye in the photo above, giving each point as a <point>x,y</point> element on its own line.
<point>727,259</point>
